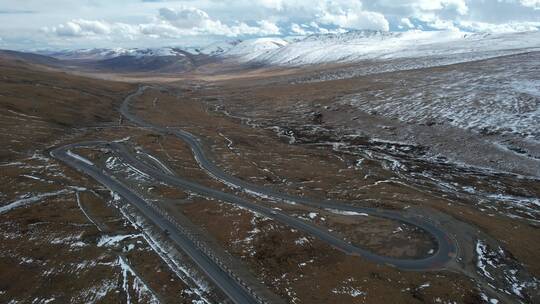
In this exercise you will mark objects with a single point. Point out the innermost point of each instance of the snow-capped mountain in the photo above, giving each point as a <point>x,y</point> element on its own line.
<point>254,48</point>
<point>103,54</point>
<point>328,48</point>
<point>420,48</point>
<point>217,48</point>
<point>165,60</point>
<point>372,45</point>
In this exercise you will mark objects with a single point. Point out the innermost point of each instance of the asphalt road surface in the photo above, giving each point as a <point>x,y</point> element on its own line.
<point>446,247</point>
<point>226,281</point>
<point>236,291</point>
<point>436,261</point>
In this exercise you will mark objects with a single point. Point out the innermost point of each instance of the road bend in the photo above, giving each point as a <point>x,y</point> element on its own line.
<point>238,291</point>
<point>233,287</point>
<point>446,246</point>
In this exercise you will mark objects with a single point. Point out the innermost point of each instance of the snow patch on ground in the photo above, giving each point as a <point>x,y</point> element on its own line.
<point>28,199</point>
<point>483,260</point>
<point>488,300</point>
<point>252,234</point>
<point>344,212</point>
<point>79,158</point>
<point>97,293</point>
<point>502,99</point>
<point>165,252</point>
<point>158,162</point>
<point>494,265</point>
<point>347,289</point>
<point>302,241</point>
<point>114,240</point>
<point>143,292</point>
<point>114,163</point>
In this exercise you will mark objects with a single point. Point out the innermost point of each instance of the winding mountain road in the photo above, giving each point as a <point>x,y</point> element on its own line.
<point>446,247</point>
<point>238,293</point>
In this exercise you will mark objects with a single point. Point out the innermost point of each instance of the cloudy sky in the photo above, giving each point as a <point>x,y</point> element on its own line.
<point>54,24</point>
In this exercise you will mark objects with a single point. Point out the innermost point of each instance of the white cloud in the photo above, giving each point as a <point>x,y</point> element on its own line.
<point>318,28</point>
<point>126,30</point>
<point>81,27</point>
<point>298,30</point>
<point>406,22</point>
<point>418,7</point>
<point>169,23</point>
<point>162,30</point>
<point>184,17</point>
<point>443,24</point>
<point>351,15</point>
<point>268,28</point>
<point>459,6</point>
<point>68,29</point>
<point>132,22</point>
<point>357,20</point>
<point>273,4</point>
<point>510,27</point>
<point>535,4</point>
<point>190,20</point>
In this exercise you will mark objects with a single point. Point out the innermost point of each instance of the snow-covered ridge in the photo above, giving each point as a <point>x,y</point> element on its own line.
<point>346,47</point>
<point>252,49</point>
<point>375,45</point>
<point>218,48</point>
<point>103,54</point>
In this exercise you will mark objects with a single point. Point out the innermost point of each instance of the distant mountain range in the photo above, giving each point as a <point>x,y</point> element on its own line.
<point>350,47</point>
<point>375,45</point>
<point>162,60</point>
<point>103,54</point>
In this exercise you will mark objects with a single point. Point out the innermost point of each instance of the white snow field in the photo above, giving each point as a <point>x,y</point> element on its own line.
<point>356,46</point>
<point>500,96</point>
